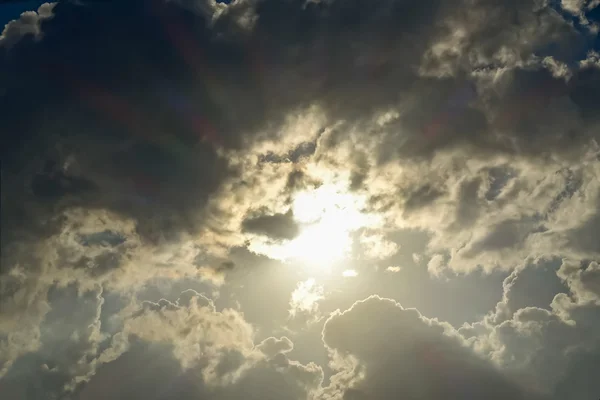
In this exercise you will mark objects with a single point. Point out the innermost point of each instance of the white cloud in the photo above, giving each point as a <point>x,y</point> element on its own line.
<point>436,265</point>
<point>305,298</point>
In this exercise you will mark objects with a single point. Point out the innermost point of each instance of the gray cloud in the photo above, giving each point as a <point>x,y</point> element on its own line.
<point>210,350</point>
<point>271,347</point>
<point>277,226</point>
<point>546,343</point>
<point>160,146</point>
<point>405,354</point>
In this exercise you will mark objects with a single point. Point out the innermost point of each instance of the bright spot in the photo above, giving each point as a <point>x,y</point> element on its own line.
<point>328,216</point>
<point>325,242</point>
<point>349,273</point>
<point>305,297</point>
<point>393,269</point>
<point>376,246</point>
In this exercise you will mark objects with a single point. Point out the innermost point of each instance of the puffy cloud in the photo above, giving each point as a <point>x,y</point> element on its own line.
<point>402,353</point>
<point>583,10</point>
<point>188,326</point>
<point>514,209</point>
<point>92,249</point>
<point>435,266</point>
<point>209,353</point>
<point>545,344</point>
<point>189,335</point>
<point>29,24</point>
<point>152,371</point>
<point>584,280</point>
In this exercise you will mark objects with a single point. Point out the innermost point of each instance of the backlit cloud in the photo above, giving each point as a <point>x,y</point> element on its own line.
<point>192,188</point>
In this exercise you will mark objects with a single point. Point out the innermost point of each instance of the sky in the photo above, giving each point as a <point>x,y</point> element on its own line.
<point>300,199</point>
<point>12,10</point>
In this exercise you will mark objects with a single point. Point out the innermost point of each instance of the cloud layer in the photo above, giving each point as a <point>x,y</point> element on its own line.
<point>148,146</point>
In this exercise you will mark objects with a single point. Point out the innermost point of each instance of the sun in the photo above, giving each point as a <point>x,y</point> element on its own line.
<point>324,242</point>
<point>327,216</point>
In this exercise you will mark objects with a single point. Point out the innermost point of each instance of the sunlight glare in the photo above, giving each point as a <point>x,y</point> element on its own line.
<point>328,216</point>
<point>305,297</point>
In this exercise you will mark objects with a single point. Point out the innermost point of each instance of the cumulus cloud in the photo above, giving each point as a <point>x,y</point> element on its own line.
<point>402,353</point>
<point>189,335</point>
<point>28,24</point>
<point>157,373</point>
<point>584,280</point>
<point>209,353</point>
<point>544,343</point>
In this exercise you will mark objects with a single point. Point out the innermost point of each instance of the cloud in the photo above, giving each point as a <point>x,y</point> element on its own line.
<point>545,345</point>
<point>272,346</point>
<point>393,269</point>
<point>157,373</point>
<point>304,299</point>
<point>208,352</point>
<point>189,338</point>
<point>516,210</point>
<point>68,337</point>
<point>187,325</point>
<point>402,353</point>
<point>584,280</point>
<point>147,140</point>
<point>184,125</point>
<point>277,226</point>
<point>29,24</point>
<point>435,266</point>
<point>376,246</point>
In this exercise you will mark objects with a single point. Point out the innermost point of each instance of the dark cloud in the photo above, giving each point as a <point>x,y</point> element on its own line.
<point>106,123</point>
<point>421,197</point>
<point>127,101</point>
<point>277,226</point>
